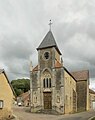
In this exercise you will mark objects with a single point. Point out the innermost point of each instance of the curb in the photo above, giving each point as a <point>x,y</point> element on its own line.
<point>91,118</point>
<point>15,117</point>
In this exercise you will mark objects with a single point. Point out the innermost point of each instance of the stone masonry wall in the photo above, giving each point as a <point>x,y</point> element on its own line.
<point>6,96</point>
<point>58,78</point>
<point>43,62</point>
<point>34,81</point>
<point>81,95</point>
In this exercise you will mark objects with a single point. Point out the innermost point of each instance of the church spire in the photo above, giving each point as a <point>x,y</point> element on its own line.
<point>48,42</point>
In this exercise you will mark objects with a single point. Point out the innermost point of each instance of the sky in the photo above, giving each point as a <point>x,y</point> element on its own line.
<point>24,24</point>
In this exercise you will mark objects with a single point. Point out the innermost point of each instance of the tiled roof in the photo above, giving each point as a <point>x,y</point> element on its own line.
<point>81,75</point>
<point>58,65</point>
<point>91,91</point>
<point>48,41</point>
<point>35,68</point>
<point>25,95</point>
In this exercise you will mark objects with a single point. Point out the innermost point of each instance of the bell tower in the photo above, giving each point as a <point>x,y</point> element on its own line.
<point>48,52</point>
<point>48,56</point>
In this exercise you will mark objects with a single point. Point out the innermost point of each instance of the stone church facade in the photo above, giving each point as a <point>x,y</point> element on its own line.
<point>52,86</point>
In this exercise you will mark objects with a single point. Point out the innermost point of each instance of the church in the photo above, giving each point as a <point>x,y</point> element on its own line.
<point>52,86</point>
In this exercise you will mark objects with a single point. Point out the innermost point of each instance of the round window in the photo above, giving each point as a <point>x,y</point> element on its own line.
<point>46,55</point>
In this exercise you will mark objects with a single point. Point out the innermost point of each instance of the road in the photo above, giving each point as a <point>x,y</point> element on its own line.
<point>23,114</point>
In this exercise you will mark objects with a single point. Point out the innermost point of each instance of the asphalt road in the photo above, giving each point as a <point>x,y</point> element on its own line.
<point>22,114</point>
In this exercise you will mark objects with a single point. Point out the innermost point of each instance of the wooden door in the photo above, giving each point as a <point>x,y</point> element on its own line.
<point>47,100</point>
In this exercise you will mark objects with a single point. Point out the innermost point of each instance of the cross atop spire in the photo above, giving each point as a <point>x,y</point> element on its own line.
<point>50,24</point>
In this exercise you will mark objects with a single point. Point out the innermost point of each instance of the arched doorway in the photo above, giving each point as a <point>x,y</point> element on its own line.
<point>47,100</point>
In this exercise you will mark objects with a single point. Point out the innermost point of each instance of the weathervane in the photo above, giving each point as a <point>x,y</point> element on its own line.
<point>50,24</point>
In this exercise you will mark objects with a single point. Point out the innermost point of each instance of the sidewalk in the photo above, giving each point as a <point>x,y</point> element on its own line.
<point>91,118</point>
<point>15,117</point>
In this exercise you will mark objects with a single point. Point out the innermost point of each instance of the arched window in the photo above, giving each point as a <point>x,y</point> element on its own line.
<point>47,82</point>
<point>46,79</point>
<point>50,82</point>
<point>44,83</point>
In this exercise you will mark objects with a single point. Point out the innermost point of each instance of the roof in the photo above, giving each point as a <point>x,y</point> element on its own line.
<point>81,75</point>
<point>70,74</point>
<point>91,91</point>
<point>35,68</point>
<point>48,41</point>
<point>58,64</point>
<point>25,95</point>
<point>3,71</point>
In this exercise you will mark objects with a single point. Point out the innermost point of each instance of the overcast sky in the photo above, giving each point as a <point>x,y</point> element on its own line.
<point>24,24</point>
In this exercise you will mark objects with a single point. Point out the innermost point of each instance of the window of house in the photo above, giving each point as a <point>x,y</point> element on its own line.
<point>1,104</point>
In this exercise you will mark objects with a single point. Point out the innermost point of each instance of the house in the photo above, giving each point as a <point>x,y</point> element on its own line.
<point>6,96</point>
<point>24,99</point>
<point>82,88</point>
<point>52,86</point>
<point>92,99</point>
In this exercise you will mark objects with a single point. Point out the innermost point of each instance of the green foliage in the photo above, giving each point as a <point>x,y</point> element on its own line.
<point>21,85</point>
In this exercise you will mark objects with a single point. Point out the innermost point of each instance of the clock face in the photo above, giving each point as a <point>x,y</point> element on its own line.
<point>46,55</point>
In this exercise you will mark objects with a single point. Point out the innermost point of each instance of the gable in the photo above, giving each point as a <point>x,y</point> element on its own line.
<point>5,82</point>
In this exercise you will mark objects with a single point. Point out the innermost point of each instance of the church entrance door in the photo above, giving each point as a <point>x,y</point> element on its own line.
<point>47,100</point>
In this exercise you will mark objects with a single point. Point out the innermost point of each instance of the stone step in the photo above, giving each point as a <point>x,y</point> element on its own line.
<point>48,111</point>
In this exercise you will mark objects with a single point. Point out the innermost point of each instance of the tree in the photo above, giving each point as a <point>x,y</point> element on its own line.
<point>21,85</point>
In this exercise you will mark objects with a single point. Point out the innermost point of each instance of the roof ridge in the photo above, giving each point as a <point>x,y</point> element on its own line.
<point>79,71</point>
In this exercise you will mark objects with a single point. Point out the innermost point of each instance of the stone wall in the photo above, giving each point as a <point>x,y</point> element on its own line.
<point>81,95</point>
<point>5,114</point>
<point>42,61</point>
<point>34,81</point>
<point>6,96</point>
<point>69,91</point>
<point>58,78</point>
